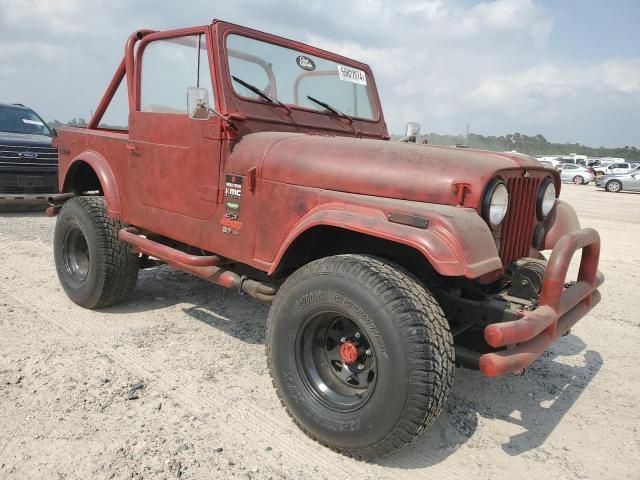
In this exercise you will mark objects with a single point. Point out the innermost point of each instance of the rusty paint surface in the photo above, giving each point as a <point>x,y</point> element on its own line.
<point>167,173</point>
<point>559,308</point>
<point>247,191</point>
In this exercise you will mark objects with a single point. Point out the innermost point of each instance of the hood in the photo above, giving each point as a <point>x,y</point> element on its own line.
<point>377,167</point>
<point>25,140</point>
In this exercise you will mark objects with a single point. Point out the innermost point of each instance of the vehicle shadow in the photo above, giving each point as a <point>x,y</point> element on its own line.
<point>23,208</point>
<point>163,287</point>
<point>22,212</point>
<point>625,192</point>
<point>535,402</point>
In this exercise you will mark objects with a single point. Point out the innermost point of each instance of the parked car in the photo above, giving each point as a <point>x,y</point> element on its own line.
<point>265,165</point>
<point>616,182</point>
<point>619,167</point>
<point>576,173</point>
<point>28,160</point>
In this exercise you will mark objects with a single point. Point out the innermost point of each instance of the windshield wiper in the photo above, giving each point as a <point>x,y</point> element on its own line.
<point>330,108</point>
<point>262,94</point>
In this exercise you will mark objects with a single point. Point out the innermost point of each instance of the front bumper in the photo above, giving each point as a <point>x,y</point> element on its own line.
<point>15,183</point>
<point>559,308</point>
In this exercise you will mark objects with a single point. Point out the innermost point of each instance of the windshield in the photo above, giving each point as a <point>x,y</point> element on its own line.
<point>22,120</point>
<point>290,77</point>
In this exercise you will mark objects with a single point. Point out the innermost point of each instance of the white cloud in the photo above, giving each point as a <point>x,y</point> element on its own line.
<point>443,63</point>
<point>622,75</point>
<point>509,16</point>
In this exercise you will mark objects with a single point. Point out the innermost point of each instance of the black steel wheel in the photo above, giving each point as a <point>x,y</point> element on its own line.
<point>336,361</point>
<point>360,354</point>
<point>95,269</point>
<point>75,253</point>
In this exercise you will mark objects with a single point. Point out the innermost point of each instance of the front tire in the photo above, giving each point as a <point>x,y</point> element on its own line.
<point>360,354</point>
<point>613,186</point>
<point>94,267</point>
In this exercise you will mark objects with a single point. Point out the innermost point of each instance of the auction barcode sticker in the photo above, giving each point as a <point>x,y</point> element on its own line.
<point>353,75</point>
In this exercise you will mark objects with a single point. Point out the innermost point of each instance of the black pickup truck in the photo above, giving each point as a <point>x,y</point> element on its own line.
<point>28,160</point>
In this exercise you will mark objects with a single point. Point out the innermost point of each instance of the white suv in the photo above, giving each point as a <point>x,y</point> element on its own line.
<point>614,168</point>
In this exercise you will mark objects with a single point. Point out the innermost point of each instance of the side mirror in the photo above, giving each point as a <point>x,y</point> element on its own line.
<point>198,103</point>
<point>411,132</point>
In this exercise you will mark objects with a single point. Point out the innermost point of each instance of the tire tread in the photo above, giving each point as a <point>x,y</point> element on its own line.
<point>118,272</point>
<point>426,331</point>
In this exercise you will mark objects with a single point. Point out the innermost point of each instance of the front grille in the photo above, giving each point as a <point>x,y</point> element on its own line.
<point>516,235</point>
<point>45,157</point>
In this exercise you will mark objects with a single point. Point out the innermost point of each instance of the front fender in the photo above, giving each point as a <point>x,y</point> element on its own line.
<point>563,220</point>
<point>105,176</point>
<point>456,242</point>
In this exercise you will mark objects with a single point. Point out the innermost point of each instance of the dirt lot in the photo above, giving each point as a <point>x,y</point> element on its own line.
<point>207,408</point>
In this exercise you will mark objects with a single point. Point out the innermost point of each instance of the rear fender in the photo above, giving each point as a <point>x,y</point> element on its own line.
<point>105,176</point>
<point>456,242</point>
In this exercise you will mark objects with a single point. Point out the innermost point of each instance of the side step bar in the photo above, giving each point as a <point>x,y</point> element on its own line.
<point>205,267</point>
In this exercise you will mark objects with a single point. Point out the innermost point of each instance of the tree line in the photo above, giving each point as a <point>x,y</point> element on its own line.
<point>530,145</point>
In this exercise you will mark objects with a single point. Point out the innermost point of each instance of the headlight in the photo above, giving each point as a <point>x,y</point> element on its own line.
<point>546,199</point>
<point>496,203</point>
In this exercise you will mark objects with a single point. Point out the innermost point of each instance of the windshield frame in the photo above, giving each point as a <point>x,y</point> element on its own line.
<point>302,48</point>
<point>22,108</point>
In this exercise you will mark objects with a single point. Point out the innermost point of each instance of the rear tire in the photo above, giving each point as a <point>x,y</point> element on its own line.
<point>578,180</point>
<point>396,371</point>
<point>613,186</point>
<point>94,267</point>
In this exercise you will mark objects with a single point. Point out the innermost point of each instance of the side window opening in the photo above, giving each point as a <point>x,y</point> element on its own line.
<point>169,68</point>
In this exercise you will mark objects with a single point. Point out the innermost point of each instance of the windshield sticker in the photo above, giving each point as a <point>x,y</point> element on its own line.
<point>353,75</point>
<point>33,122</point>
<point>305,63</point>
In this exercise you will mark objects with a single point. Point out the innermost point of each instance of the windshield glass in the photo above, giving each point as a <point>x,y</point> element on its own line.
<point>22,120</point>
<point>290,76</point>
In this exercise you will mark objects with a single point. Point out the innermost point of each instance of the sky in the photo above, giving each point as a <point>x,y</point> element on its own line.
<point>568,69</point>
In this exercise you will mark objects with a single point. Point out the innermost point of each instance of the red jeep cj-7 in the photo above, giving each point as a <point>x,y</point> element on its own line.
<point>264,165</point>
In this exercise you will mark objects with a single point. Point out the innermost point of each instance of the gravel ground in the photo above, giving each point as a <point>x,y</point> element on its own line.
<point>174,384</point>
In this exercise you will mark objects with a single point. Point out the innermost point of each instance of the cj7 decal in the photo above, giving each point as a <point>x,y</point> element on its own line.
<point>230,221</point>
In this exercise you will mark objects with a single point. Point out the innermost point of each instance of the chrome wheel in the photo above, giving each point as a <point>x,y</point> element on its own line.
<point>613,186</point>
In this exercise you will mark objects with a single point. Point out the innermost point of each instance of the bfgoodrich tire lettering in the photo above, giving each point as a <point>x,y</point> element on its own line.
<point>94,267</point>
<point>412,357</point>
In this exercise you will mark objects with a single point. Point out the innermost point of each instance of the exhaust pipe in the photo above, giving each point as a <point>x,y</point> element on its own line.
<point>55,203</point>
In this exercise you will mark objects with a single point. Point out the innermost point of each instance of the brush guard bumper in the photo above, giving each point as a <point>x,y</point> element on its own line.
<point>559,308</point>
